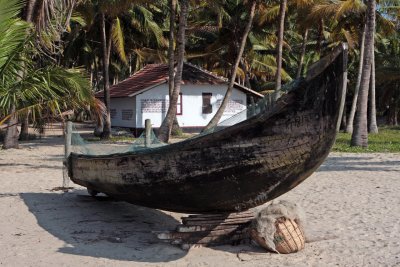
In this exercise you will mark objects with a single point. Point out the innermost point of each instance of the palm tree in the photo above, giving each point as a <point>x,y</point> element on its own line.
<point>171,50</point>
<point>214,121</point>
<point>360,133</point>
<point>11,137</point>
<point>29,8</point>
<point>372,125</point>
<point>279,48</point>
<point>47,16</point>
<point>302,54</point>
<point>171,57</point>
<point>25,86</point>
<point>106,51</point>
<point>166,126</point>
<point>350,120</point>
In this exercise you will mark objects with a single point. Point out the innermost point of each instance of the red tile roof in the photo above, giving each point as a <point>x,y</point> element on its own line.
<point>155,74</point>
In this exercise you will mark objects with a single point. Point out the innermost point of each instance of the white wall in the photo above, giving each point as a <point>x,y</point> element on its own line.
<point>154,104</point>
<point>123,105</point>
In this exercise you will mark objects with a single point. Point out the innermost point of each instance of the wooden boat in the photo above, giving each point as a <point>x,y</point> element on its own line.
<point>237,168</point>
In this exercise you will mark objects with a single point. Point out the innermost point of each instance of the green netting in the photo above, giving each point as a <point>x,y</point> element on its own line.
<point>81,146</point>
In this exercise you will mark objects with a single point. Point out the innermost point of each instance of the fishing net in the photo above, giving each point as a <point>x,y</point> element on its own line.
<point>81,146</point>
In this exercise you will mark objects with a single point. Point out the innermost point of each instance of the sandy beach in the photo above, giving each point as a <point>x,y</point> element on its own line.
<point>352,205</point>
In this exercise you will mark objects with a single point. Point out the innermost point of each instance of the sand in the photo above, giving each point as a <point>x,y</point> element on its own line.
<point>352,205</point>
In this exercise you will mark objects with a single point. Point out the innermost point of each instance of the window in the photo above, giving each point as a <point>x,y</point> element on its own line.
<point>113,113</point>
<point>207,107</point>
<point>179,105</point>
<point>127,114</point>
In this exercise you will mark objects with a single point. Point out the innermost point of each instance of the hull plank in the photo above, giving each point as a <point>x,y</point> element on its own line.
<point>234,169</point>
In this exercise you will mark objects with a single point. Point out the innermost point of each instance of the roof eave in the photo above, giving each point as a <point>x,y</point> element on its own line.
<point>147,88</point>
<point>244,88</point>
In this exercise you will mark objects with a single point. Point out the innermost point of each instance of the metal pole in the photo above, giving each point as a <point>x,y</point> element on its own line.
<point>147,132</point>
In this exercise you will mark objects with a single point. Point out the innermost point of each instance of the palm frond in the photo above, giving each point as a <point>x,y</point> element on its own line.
<point>117,35</point>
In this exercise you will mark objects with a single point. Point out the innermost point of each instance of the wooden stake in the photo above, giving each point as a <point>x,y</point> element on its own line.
<point>68,139</point>
<point>147,132</point>
<point>67,152</point>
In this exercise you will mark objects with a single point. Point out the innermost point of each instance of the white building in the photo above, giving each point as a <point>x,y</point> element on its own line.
<point>145,95</point>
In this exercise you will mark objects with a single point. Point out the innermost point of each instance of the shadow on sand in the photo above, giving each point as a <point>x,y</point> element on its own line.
<point>335,163</point>
<point>103,227</point>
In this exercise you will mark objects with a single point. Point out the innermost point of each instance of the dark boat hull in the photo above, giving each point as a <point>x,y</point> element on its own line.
<point>234,169</point>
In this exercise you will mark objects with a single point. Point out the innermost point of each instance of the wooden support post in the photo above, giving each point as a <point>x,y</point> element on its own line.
<point>147,132</point>
<point>68,139</point>
<point>67,151</point>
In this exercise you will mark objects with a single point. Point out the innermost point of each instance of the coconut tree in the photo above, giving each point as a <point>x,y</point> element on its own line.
<point>279,48</point>
<point>12,38</point>
<point>303,8</point>
<point>171,56</point>
<point>166,126</point>
<point>171,44</point>
<point>360,133</point>
<point>26,86</point>
<point>214,121</point>
<point>49,19</point>
<point>350,120</point>
<point>372,125</point>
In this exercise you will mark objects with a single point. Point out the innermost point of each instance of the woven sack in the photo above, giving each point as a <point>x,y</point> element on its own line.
<point>288,238</point>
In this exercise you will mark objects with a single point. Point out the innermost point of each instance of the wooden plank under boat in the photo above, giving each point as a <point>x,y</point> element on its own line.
<point>237,168</point>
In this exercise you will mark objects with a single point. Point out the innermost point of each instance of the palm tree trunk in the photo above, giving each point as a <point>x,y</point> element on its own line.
<point>107,122</point>
<point>214,121</point>
<point>171,50</point>
<point>171,59</point>
<point>303,52</point>
<point>373,127</point>
<point>278,74</point>
<point>166,126</point>
<point>344,118</point>
<point>30,5</point>
<point>11,136</point>
<point>350,121</point>
<point>98,129</point>
<point>96,74</point>
<point>24,135</point>
<point>360,133</point>
<point>343,100</point>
